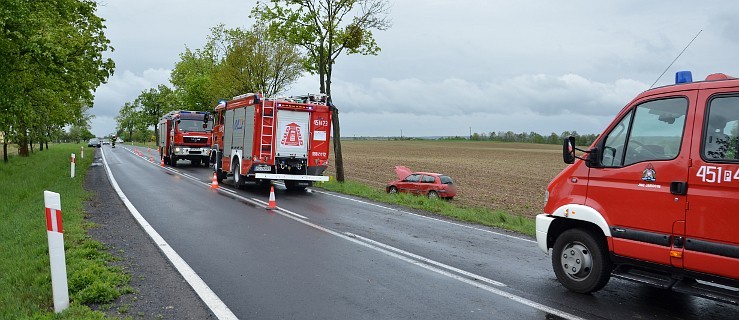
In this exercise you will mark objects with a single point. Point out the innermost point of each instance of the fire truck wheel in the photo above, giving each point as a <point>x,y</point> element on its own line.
<point>172,161</point>
<point>238,178</point>
<point>206,162</point>
<point>580,261</point>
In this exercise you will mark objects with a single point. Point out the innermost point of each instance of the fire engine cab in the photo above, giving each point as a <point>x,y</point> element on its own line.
<point>184,135</point>
<point>257,140</point>
<point>655,199</point>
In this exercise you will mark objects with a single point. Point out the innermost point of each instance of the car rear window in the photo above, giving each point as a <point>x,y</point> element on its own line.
<point>446,180</point>
<point>428,179</point>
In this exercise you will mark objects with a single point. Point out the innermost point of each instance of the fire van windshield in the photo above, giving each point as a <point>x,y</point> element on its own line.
<point>193,125</point>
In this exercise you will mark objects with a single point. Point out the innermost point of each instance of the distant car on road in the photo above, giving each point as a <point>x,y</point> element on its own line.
<point>94,142</point>
<point>106,142</point>
<point>432,185</point>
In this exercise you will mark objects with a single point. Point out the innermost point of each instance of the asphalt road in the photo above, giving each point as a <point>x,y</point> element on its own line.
<point>329,256</point>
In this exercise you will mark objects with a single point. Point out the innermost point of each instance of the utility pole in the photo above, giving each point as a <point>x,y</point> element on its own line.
<point>470,133</point>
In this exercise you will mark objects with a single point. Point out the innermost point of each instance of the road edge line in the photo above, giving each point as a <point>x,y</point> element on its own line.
<point>214,303</point>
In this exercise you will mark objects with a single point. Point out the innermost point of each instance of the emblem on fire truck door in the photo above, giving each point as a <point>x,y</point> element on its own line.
<point>292,137</point>
<point>649,174</point>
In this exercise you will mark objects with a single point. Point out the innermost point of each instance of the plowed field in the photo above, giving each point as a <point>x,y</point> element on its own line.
<point>501,176</point>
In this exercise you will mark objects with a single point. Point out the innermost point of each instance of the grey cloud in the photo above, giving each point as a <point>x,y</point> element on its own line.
<point>539,94</point>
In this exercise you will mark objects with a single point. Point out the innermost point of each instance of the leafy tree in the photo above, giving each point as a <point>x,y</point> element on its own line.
<point>192,77</point>
<point>154,103</point>
<point>51,57</point>
<point>128,119</point>
<point>325,29</point>
<point>234,62</point>
<point>256,63</point>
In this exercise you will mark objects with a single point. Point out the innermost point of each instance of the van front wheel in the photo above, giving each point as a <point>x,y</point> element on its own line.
<point>580,261</point>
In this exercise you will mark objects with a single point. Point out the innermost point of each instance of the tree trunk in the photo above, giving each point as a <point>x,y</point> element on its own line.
<point>5,151</point>
<point>30,143</point>
<point>338,157</point>
<point>23,143</point>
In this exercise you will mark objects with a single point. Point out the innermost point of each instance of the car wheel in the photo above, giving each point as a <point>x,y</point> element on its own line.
<point>433,195</point>
<point>580,261</point>
<point>392,190</point>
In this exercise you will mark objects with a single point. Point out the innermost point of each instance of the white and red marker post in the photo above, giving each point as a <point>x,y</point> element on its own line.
<point>59,287</point>
<point>73,161</point>
<point>82,152</point>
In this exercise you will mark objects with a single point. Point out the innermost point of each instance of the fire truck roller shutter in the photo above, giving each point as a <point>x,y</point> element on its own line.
<point>293,134</point>
<point>228,133</point>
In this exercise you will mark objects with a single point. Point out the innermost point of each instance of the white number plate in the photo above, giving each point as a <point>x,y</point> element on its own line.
<point>262,168</point>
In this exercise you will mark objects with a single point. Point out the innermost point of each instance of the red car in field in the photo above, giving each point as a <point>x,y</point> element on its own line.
<point>433,185</point>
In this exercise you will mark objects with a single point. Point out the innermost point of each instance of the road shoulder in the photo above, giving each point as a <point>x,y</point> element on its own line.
<point>160,292</point>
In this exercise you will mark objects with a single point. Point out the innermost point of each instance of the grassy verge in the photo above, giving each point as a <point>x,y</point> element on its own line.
<point>482,216</point>
<point>25,279</point>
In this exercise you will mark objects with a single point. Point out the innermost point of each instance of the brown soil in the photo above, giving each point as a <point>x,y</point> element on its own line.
<point>500,176</point>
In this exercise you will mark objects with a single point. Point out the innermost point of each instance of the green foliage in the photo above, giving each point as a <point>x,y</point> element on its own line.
<point>530,137</point>
<point>325,29</point>
<point>51,57</point>
<point>234,62</point>
<point>446,208</point>
<point>25,280</point>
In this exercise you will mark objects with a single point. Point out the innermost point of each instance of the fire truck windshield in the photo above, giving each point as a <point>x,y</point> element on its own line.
<point>186,125</point>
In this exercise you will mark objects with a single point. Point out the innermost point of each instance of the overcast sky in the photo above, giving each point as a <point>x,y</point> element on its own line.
<point>448,67</point>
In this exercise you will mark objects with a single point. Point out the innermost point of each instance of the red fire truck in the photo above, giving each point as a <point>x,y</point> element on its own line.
<point>655,199</point>
<point>257,140</point>
<point>185,135</point>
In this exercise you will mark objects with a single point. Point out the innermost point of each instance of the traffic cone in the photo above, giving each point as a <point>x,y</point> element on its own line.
<point>214,183</point>
<point>161,163</point>
<point>151,158</point>
<point>271,205</point>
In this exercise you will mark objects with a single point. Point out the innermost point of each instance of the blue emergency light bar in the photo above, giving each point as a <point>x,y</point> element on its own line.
<point>683,77</point>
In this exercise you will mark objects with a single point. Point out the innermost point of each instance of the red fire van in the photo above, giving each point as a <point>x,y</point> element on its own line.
<point>655,199</point>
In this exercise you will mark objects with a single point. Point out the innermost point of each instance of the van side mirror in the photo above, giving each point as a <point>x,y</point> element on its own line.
<point>568,150</point>
<point>569,156</point>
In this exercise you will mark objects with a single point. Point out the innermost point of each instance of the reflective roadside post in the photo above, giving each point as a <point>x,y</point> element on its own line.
<point>72,160</point>
<point>59,286</point>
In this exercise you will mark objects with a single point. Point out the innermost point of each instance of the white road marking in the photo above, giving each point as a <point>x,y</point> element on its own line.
<point>429,261</point>
<point>429,265</point>
<point>425,217</point>
<point>265,204</point>
<point>435,266</point>
<point>215,304</point>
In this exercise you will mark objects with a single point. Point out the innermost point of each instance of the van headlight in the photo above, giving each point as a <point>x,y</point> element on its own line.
<point>546,196</point>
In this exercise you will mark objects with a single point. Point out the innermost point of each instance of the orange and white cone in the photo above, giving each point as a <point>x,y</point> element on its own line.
<point>214,183</point>
<point>151,158</point>
<point>271,205</point>
<point>161,163</point>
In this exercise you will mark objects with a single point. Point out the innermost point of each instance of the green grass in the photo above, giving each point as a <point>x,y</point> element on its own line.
<point>25,278</point>
<point>481,216</point>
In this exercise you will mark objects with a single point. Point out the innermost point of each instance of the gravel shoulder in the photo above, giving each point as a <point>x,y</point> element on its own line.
<point>160,292</point>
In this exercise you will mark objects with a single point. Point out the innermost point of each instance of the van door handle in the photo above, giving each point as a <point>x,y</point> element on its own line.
<point>679,188</point>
